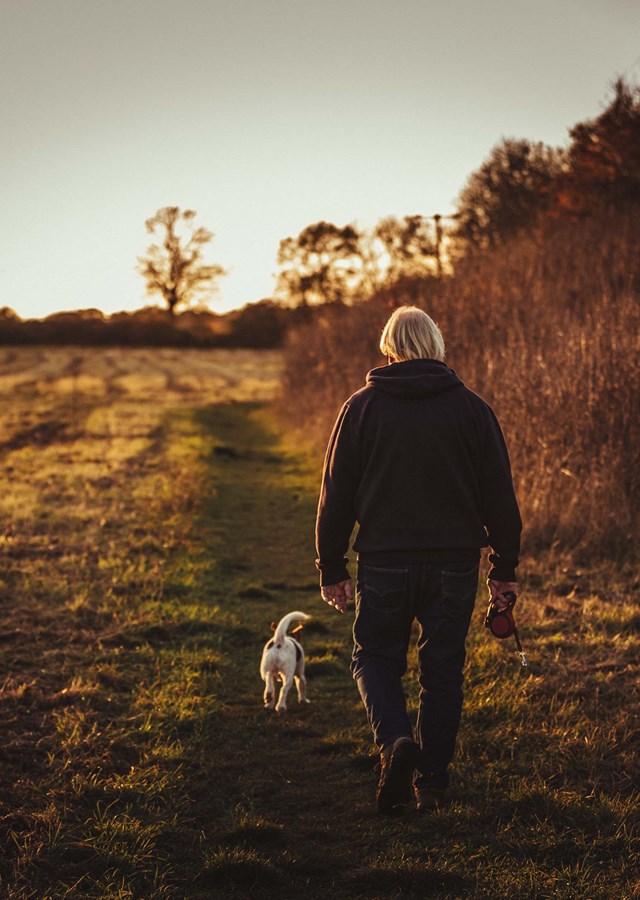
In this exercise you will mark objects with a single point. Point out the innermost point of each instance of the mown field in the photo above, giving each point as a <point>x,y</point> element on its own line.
<point>154,519</point>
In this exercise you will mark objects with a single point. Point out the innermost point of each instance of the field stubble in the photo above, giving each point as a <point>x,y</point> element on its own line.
<point>150,533</point>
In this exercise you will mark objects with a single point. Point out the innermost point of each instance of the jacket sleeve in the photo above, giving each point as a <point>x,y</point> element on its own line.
<point>336,507</point>
<point>499,504</point>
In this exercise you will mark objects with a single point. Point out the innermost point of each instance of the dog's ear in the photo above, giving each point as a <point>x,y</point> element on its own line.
<point>273,625</point>
<point>297,629</point>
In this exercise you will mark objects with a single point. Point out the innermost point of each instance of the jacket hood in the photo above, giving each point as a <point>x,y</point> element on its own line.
<point>414,378</point>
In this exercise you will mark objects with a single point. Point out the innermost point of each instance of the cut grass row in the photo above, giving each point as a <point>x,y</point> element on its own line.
<point>138,761</point>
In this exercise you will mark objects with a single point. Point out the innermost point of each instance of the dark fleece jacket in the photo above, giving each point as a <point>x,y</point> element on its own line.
<point>419,462</point>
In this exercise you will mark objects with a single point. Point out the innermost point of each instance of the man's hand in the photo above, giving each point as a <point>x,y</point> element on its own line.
<point>497,589</point>
<point>337,595</point>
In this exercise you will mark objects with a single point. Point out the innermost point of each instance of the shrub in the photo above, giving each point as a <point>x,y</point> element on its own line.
<point>547,330</point>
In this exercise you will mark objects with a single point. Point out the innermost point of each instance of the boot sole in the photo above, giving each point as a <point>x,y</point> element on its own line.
<point>430,801</point>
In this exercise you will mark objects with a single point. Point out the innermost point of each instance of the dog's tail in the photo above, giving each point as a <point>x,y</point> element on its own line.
<point>283,626</point>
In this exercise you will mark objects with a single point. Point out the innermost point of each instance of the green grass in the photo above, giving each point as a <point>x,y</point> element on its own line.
<point>137,761</point>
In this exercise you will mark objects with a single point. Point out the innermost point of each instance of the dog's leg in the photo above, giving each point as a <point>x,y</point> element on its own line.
<point>301,684</point>
<point>281,706</point>
<point>269,691</point>
<point>301,681</point>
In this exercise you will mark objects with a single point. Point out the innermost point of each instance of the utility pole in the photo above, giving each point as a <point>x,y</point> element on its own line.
<point>437,218</point>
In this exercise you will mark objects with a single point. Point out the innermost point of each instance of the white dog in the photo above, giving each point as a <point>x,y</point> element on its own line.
<point>283,656</point>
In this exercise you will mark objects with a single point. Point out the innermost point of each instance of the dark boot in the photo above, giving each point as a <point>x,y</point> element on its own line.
<point>398,762</point>
<point>429,798</point>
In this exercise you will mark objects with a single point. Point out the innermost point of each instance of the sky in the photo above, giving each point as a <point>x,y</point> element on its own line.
<point>265,116</point>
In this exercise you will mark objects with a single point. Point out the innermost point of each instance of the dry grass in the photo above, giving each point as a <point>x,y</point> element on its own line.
<point>548,331</point>
<point>151,542</point>
<point>101,471</point>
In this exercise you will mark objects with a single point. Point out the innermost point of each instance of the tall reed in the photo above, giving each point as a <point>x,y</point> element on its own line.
<point>547,330</point>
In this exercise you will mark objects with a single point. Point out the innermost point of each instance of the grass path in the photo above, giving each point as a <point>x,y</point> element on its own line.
<point>138,761</point>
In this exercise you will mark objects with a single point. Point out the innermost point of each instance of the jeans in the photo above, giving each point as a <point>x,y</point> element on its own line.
<point>441,597</point>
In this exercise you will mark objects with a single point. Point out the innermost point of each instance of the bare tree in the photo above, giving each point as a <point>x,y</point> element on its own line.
<point>320,265</point>
<point>174,267</point>
<point>410,245</point>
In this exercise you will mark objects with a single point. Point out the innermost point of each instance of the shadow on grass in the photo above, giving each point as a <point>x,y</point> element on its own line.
<point>163,743</point>
<point>408,880</point>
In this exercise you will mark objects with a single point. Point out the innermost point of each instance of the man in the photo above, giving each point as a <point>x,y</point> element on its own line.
<point>419,462</point>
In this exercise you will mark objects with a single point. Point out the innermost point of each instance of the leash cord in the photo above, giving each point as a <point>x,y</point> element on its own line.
<point>523,658</point>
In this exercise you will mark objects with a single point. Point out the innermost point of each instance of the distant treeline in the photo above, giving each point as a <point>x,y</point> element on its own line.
<point>257,325</point>
<point>523,187</point>
<point>523,190</point>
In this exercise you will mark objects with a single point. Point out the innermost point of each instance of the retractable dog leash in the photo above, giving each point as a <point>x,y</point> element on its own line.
<point>501,623</point>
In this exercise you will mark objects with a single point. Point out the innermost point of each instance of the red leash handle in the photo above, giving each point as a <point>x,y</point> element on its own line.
<point>501,624</point>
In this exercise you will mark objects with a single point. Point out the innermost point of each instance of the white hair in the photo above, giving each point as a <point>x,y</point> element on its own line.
<point>411,334</point>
